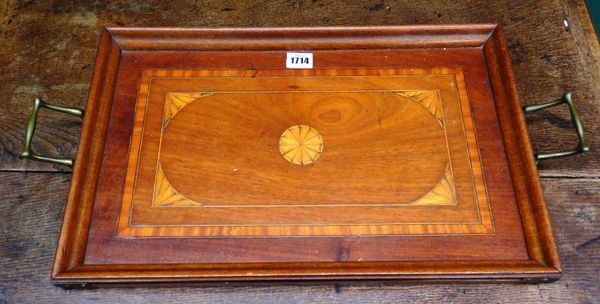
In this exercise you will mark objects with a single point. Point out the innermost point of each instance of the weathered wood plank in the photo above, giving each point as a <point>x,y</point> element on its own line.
<point>586,40</point>
<point>32,204</point>
<point>579,25</point>
<point>49,48</point>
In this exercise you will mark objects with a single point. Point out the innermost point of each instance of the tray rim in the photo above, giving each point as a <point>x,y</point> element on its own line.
<point>543,264</point>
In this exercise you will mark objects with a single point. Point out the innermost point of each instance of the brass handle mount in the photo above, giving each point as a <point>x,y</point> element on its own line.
<point>581,146</point>
<point>31,125</point>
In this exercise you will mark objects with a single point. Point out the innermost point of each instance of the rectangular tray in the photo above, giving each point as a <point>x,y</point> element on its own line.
<point>402,154</point>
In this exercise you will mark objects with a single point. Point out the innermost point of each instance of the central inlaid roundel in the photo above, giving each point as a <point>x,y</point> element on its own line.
<point>301,145</point>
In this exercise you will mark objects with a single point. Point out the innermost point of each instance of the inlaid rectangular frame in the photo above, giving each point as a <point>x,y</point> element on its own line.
<point>90,251</point>
<point>471,215</point>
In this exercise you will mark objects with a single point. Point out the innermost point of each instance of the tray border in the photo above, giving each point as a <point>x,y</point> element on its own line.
<point>69,267</point>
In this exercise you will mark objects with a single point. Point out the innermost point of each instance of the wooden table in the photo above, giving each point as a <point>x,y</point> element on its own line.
<point>48,50</point>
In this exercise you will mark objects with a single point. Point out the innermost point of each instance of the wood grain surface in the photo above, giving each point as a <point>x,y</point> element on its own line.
<point>519,245</point>
<point>49,49</point>
<point>394,137</point>
<point>35,203</point>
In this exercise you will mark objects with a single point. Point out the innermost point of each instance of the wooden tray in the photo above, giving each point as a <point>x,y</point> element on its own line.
<point>401,154</point>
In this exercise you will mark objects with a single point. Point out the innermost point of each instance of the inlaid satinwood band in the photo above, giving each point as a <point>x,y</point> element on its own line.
<point>444,193</point>
<point>301,145</point>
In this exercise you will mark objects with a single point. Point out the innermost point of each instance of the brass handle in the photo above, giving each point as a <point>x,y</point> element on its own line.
<point>27,153</point>
<point>582,146</point>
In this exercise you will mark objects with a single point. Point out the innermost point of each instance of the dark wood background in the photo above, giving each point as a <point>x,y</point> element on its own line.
<point>47,49</point>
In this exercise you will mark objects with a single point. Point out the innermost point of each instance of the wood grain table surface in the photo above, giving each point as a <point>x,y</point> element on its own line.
<point>47,49</point>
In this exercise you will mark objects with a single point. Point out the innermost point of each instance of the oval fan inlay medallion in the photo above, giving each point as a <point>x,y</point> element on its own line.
<point>301,145</point>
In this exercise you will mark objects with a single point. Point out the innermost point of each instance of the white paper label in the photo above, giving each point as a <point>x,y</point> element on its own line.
<point>299,61</point>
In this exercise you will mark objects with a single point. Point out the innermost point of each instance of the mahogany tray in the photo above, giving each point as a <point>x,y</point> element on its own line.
<point>304,154</point>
